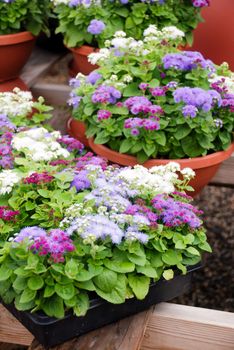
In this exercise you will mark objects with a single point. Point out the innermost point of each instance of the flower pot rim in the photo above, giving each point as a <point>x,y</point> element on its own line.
<point>195,163</point>
<point>16,38</point>
<point>83,49</point>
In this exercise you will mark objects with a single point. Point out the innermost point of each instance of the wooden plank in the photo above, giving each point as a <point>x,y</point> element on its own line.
<point>11,331</point>
<point>39,63</point>
<point>126,334</point>
<point>225,175</point>
<point>179,327</point>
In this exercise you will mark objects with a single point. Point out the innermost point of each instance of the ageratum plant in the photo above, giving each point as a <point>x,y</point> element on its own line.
<point>94,21</point>
<point>150,100</point>
<point>125,229</point>
<point>20,108</point>
<point>23,15</point>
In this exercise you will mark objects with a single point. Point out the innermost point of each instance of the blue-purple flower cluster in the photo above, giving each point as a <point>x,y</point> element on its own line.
<point>106,94</point>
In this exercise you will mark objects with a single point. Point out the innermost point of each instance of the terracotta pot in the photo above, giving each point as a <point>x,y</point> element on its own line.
<point>215,37</point>
<point>77,130</point>
<point>80,59</point>
<point>204,167</point>
<point>11,84</point>
<point>15,50</point>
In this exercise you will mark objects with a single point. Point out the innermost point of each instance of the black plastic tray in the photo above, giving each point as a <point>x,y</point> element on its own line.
<point>50,331</point>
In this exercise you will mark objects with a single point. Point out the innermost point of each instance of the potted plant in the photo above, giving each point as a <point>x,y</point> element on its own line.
<point>119,247</point>
<point>86,25</point>
<point>152,102</point>
<point>21,21</point>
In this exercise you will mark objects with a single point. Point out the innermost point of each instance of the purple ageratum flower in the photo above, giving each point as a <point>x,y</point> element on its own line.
<point>90,159</point>
<point>143,86</point>
<point>31,233</point>
<point>186,61</point>
<point>158,91</point>
<point>197,97</point>
<point>106,94</point>
<point>74,100</point>
<point>6,154</point>
<point>174,213</point>
<point>189,111</point>
<point>5,124</point>
<point>133,234</point>
<point>103,114</point>
<point>96,27</point>
<point>74,82</point>
<point>138,104</point>
<point>135,132</point>
<point>98,227</point>
<point>81,181</point>
<point>93,77</point>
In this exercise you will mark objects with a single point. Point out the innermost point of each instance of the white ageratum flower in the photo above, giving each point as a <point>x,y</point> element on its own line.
<point>127,78</point>
<point>17,102</point>
<point>146,181</point>
<point>39,145</point>
<point>172,33</point>
<point>8,178</point>
<point>120,34</point>
<point>152,30</point>
<point>99,56</point>
<point>188,173</point>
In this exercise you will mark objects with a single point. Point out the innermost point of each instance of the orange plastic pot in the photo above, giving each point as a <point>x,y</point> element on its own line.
<point>9,85</point>
<point>204,167</point>
<point>77,129</point>
<point>80,62</point>
<point>15,50</point>
<point>215,37</point>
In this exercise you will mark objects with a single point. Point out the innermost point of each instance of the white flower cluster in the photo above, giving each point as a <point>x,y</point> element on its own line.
<point>158,179</point>
<point>8,178</point>
<point>39,145</point>
<point>152,38</point>
<point>17,102</point>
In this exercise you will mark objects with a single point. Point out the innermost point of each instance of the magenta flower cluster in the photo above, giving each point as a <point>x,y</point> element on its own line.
<point>106,94</point>
<point>71,143</point>
<point>7,214</point>
<point>227,98</point>
<point>38,178</point>
<point>201,3</point>
<point>103,114</point>
<point>138,123</point>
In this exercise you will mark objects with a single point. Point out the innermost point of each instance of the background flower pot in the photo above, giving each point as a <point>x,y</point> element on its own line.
<point>80,59</point>
<point>15,50</point>
<point>204,167</point>
<point>9,85</point>
<point>215,37</point>
<point>50,331</point>
<point>77,129</point>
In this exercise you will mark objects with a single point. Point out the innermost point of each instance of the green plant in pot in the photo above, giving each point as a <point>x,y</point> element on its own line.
<point>120,233</point>
<point>87,24</point>
<point>21,21</point>
<point>149,102</point>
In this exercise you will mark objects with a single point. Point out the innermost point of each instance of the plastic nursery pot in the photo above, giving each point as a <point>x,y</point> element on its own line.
<point>204,167</point>
<point>15,50</point>
<point>77,129</point>
<point>80,62</point>
<point>9,85</point>
<point>50,331</point>
<point>215,37</point>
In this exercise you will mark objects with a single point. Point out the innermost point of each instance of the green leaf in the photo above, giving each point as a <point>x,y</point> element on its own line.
<point>117,294</point>
<point>119,266</point>
<point>191,147</point>
<point>23,306</point>
<point>101,138</point>
<point>48,291</point>
<point>5,272</point>
<point>148,271</point>
<point>71,268</point>
<point>27,295</point>
<point>139,285</point>
<point>168,274</point>
<point>82,304</point>
<point>182,131</point>
<point>35,282</point>
<point>19,283</point>
<point>160,138</point>
<point>154,83</point>
<point>205,246</point>
<point>65,291</point>
<point>106,281</point>
<point>171,257</point>
<point>53,306</point>
<point>44,193</point>
<point>125,146</point>
<point>132,90</point>
<point>193,251</point>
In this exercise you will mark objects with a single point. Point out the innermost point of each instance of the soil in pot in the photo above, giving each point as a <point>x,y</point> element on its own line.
<point>80,60</point>
<point>204,167</point>
<point>15,50</point>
